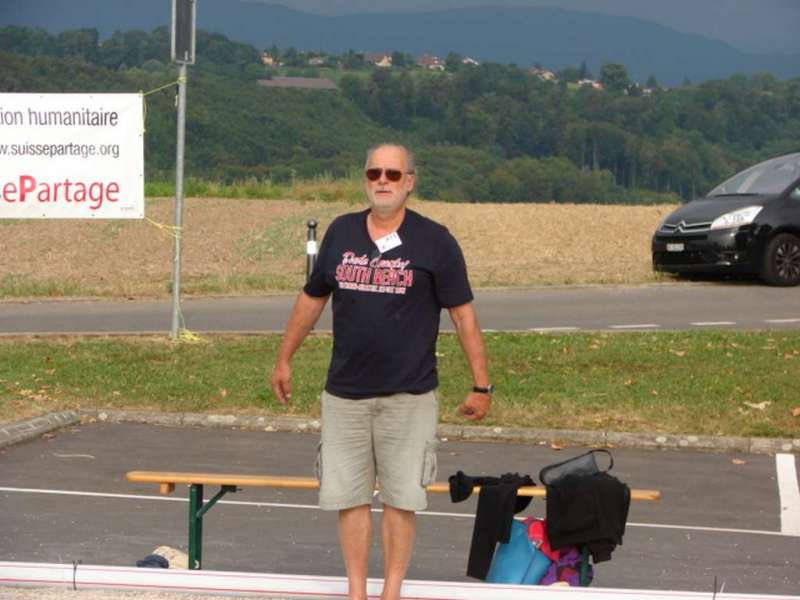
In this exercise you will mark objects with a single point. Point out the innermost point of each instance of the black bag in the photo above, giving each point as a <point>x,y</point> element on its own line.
<point>584,464</point>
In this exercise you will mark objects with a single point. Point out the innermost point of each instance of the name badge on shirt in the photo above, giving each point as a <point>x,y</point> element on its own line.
<point>388,242</point>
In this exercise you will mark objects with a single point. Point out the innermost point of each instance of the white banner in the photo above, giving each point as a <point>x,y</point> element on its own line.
<point>71,156</point>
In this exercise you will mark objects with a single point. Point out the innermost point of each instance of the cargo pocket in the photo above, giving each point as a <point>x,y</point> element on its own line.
<point>318,463</point>
<point>429,464</point>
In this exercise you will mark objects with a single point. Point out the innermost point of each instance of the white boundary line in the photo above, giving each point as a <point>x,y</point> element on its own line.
<point>781,320</point>
<point>712,323</point>
<point>315,586</point>
<point>636,326</point>
<point>14,490</point>
<point>789,493</point>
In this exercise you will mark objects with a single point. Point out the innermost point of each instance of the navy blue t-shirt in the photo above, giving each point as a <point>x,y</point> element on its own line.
<point>386,306</point>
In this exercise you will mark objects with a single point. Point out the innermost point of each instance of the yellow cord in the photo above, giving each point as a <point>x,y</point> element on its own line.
<point>158,89</point>
<point>184,334</point>
<point>171,231</point>
<point>165,86</point>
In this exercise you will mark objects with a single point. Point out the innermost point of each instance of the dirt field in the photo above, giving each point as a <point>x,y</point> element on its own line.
<point>237,246</point>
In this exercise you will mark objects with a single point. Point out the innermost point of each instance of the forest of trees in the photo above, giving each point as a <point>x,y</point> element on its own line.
<point>482,133</point>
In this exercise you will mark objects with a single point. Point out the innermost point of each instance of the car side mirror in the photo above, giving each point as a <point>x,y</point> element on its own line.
<point>795,195</point>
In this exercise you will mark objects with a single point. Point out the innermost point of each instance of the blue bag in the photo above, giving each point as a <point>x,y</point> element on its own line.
<point>518,561</point>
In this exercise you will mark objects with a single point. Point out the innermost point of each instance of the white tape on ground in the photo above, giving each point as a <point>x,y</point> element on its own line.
<point>306,586</point>
<point>315,507</point>
<point>789,493</point>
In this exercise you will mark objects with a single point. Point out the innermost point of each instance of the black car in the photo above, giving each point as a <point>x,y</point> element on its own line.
<point>748,224</point>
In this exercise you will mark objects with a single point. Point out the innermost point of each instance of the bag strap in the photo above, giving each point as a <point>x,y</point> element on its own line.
<point>543,472</point>
<point>610,458</point>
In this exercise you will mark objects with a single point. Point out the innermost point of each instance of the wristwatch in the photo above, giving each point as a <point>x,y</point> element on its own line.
<point>489,389</point>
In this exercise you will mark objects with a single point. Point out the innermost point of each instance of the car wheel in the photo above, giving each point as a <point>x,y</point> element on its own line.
<point>782,260</point>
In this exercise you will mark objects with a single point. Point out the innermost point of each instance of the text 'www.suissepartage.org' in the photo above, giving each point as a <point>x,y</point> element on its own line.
<point>69,149</point>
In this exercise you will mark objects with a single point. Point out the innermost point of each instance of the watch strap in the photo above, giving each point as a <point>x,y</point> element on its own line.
<point>489,389</point>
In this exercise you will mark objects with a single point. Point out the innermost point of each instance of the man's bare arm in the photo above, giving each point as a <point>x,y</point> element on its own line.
<point>305,313</point>
<point>476,405</point>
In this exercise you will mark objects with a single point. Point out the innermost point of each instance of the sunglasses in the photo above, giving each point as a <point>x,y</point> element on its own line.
<point>393,175</point>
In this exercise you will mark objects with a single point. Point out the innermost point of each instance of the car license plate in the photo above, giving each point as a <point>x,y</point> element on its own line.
<point>674,247</point>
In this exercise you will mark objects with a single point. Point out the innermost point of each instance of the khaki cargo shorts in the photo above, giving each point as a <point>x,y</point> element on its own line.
<point>391,439</point>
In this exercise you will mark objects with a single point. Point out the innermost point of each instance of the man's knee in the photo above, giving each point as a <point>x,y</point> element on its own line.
<point>355,522</point>
<point>361,511</point>
<point>403,512</point>
<point>399,519</point>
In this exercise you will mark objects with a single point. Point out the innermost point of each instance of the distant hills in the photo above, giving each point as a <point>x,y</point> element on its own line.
<point>556,38</point>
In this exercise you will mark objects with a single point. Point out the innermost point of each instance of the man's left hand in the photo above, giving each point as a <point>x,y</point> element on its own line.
<point>476,406</point>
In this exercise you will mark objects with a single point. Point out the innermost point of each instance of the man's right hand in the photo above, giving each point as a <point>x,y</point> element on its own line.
<point>476,406</point>
<point>282,382</point>
<point>305,313</point>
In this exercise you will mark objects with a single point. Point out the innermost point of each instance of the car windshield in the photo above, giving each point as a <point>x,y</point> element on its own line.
<point>769,177</point>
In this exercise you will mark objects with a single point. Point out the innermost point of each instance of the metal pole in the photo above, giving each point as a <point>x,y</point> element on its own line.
<point>311,247</point>
<point>176,266</point>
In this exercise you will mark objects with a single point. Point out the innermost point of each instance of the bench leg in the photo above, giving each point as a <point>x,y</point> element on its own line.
<point>584,577</point>
<point>195,526</point>
<point>196,511</point>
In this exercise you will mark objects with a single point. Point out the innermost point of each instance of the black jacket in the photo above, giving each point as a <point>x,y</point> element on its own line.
<point>497,504</point>
<point>588,509</point>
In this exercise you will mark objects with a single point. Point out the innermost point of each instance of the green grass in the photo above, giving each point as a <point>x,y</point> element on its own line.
<point>323,188</point>
<point>250,188</point>
<point>20,286</point>
<point>713,383</point>
<point>201,285</point>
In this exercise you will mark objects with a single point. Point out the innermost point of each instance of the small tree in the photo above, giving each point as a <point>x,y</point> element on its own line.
<point>569,74</point>
<point>293,58</point>
<point>352,60</point>
<point>275,53</point>
<point>614,76</point>
<point>399,59</point>
<point>583,71</point>
<point>453,62</point>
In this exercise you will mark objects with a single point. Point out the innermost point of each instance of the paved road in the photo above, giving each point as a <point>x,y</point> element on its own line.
<point>615,308</point>
<point>64,498</point>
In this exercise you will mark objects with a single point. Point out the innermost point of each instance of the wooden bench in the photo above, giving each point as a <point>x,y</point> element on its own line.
<point>228,482</point>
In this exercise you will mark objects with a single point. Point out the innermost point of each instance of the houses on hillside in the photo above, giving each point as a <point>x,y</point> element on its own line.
<point>590,83</point>
<point>543,74</point>
<point>434,63</point>
<point>378,59</point>
<point>352,60</point>
<point>430,62</point>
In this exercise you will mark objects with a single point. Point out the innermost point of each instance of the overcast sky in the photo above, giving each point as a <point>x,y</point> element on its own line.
<point>751,25</point>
